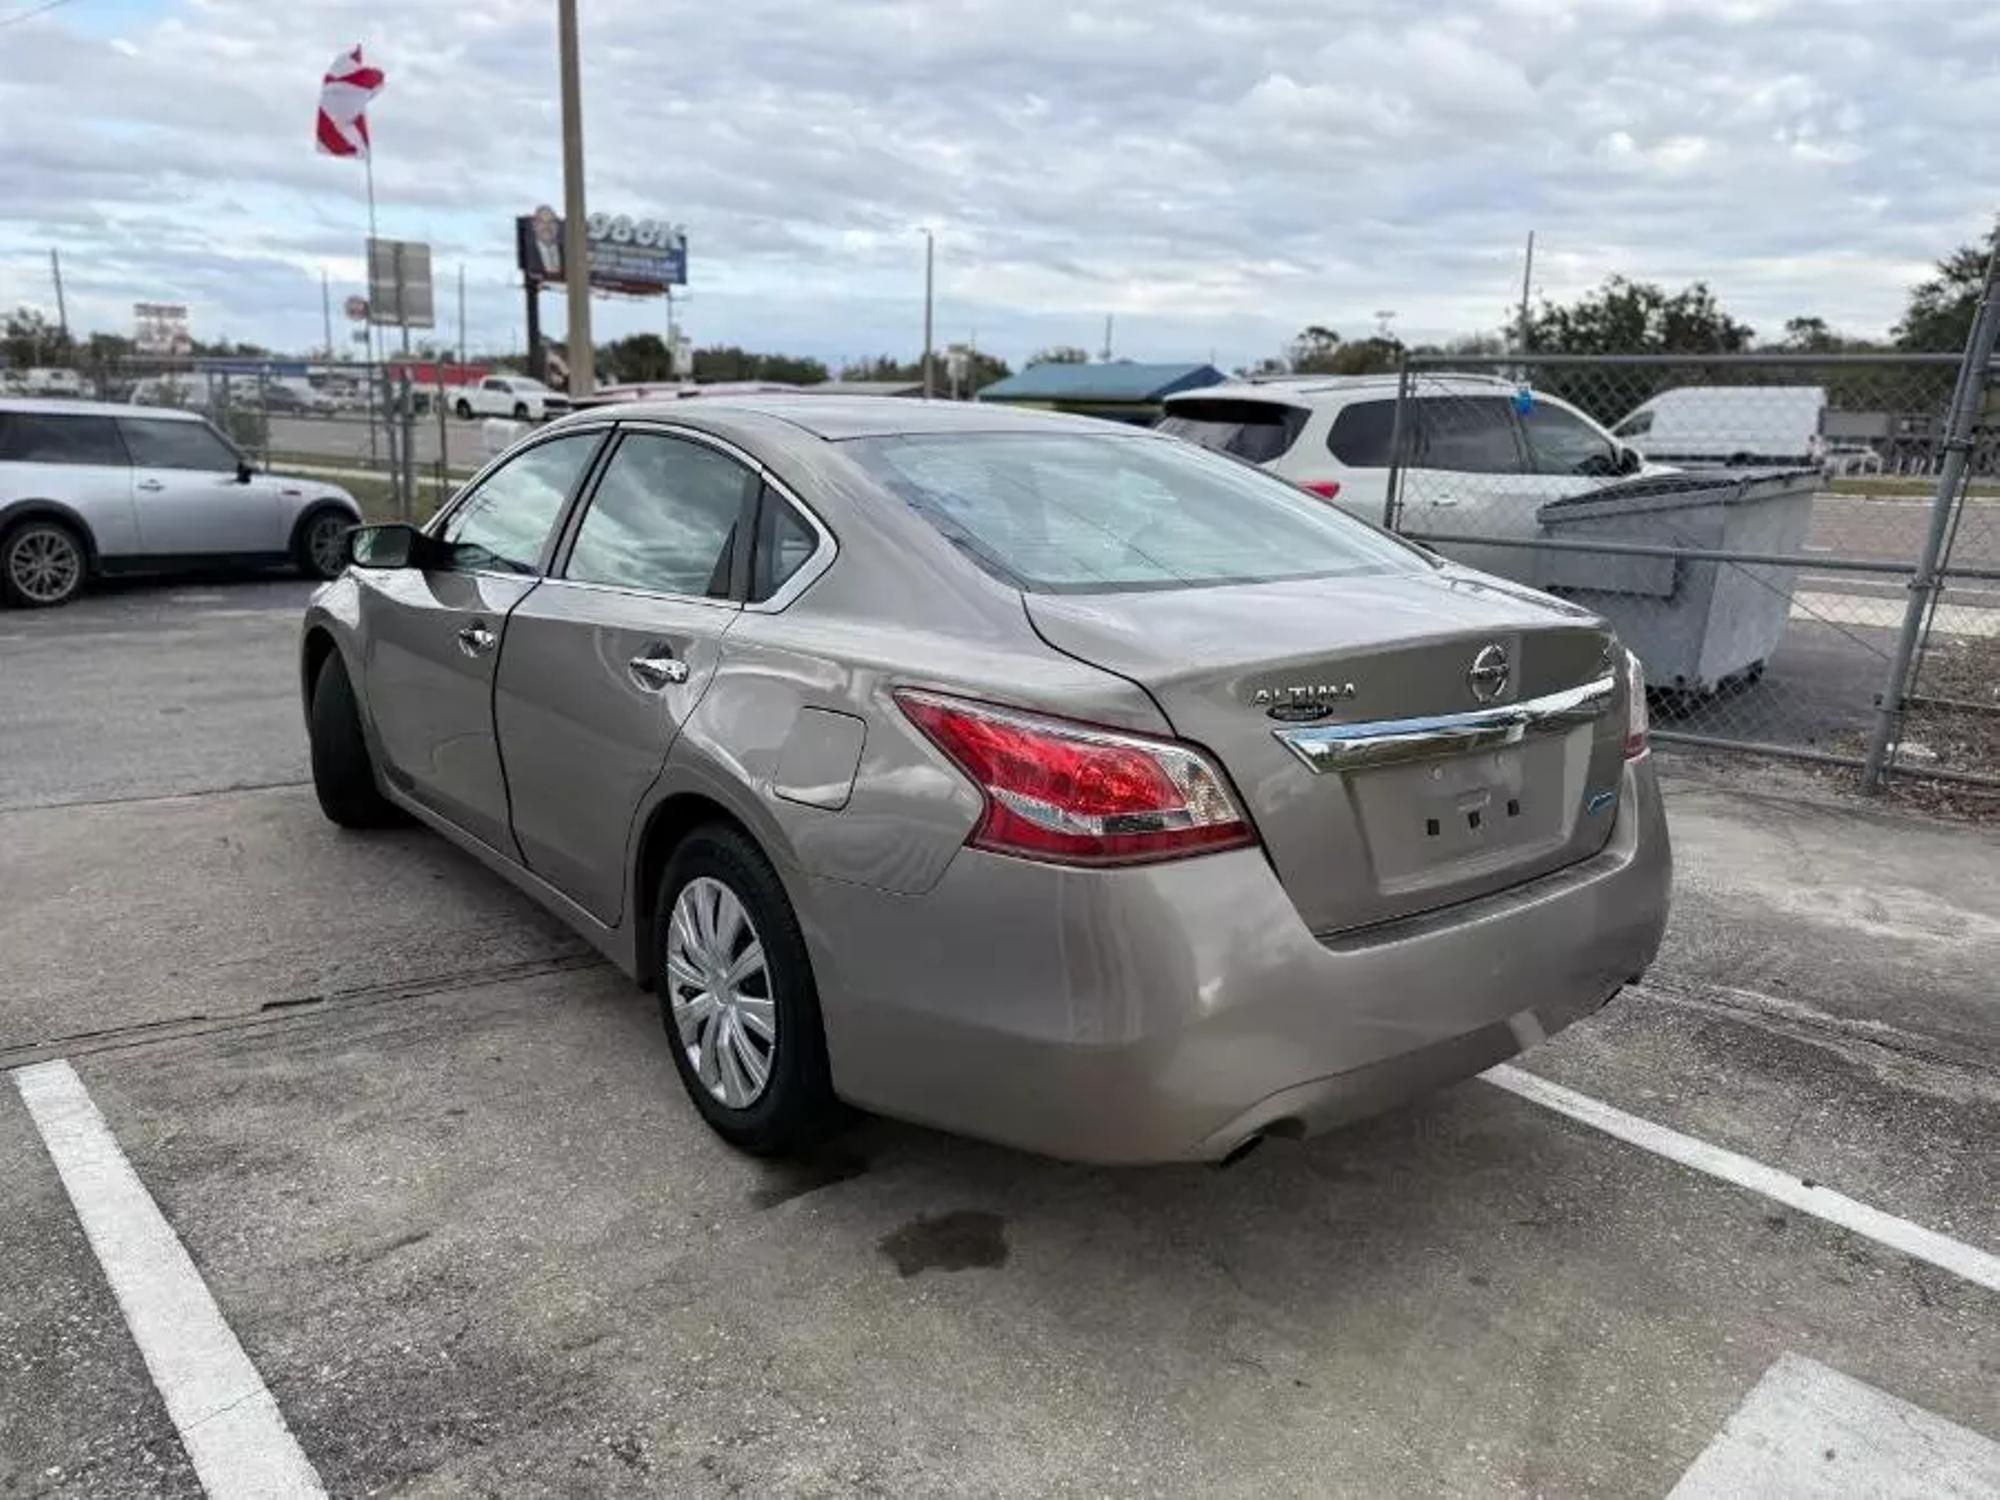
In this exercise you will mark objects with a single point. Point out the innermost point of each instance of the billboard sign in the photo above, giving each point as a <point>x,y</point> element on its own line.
<point>160,328</point>
<point>639,257</point>
<point>399,284</point>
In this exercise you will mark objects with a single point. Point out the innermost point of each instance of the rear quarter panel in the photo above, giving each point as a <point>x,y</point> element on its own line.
<point>97,496</point>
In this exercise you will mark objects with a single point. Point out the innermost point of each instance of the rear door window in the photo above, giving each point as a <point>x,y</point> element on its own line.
<point>1258,431</point>
<point>47,438</point>
<point>664,519</point>
<point>1468,435</point>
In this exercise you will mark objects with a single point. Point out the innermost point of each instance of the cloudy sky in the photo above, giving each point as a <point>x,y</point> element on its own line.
<point>1216,173</point>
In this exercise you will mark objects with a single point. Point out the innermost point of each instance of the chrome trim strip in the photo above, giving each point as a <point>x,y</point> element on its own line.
<point>1385,742</point>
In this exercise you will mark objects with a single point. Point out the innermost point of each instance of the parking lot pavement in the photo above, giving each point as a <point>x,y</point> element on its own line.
<point>142,689</point>
<point>436,1171</point>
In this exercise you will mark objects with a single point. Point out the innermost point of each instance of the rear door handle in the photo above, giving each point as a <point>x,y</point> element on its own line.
<point>149,484</point>
<point>476,640</point>
<point>656,672</point>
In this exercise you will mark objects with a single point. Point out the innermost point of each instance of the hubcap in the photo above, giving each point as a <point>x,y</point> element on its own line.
<point>323,543</point>
<point>719,992</point>
<point>45,565</point>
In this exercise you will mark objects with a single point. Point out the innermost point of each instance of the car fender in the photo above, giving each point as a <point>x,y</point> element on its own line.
<point>22,510</point>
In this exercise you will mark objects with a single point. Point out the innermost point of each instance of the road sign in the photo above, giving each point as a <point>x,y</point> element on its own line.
<point>160,328</point>
<point>400,294</point>
<point>357,309</point>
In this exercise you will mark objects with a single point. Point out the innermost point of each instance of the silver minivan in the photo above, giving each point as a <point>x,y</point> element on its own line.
<point>89,488</point>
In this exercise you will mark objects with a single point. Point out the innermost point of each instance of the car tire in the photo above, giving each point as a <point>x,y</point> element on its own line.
<point>794,1108</point>
<point>464,410</point>
<point>43,563</point>
<point>343,775</point>
<point>319,545</point>
<point>520,411</point>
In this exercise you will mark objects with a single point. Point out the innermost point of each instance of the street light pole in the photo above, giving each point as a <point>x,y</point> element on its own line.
<point>576,250</point>
<point>930,246</point>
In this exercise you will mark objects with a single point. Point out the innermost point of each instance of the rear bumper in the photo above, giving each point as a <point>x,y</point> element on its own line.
<point>1170,1012</point>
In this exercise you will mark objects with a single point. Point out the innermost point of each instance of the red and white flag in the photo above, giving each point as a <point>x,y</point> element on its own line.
<point>343,102</point>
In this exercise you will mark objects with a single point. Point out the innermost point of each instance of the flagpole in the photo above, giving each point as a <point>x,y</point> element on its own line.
<point>368,289</point>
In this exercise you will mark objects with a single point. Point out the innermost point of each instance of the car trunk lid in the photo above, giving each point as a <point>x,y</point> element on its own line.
<point>1386,776</point>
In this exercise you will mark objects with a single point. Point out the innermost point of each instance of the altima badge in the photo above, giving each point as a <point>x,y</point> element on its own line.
<point>1301,703</point>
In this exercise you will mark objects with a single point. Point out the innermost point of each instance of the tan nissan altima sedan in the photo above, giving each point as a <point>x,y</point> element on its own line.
<point>1036,778</point>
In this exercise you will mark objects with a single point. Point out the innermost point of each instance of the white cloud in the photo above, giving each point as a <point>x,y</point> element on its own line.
<point>1217,179</point>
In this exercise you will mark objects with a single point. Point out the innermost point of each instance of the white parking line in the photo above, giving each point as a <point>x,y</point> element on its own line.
<point>1807,1429</point>
<point>1947,1254</point>
<point>229,1424</point>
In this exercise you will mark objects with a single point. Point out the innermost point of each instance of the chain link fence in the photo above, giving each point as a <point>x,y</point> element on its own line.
<point>1756,527</point>
<point>400,436</point>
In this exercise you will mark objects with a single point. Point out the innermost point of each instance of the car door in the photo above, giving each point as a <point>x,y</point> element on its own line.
<point>1466,464</point>
<point>77,462</point>
<point>190,492</point>
<point>607,658</point>
<point>434,636</point>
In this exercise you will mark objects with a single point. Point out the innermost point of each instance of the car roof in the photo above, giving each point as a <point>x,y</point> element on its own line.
<point>839,418</point>
<point>46,406</point>
<point>1286,389</point>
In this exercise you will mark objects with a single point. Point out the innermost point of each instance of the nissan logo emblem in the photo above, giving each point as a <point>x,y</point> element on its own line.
<point>1488,677</point>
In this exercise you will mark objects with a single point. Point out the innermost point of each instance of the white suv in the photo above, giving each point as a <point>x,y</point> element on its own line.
<point>1470,441</point>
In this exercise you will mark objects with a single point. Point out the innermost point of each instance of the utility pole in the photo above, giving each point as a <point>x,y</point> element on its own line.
<point>326,309</point>
<point>1527,274</point>
<point>1107,338</point>
<point>62,311</point>
<point>930,246</point>
<point>576,247</point>
<point>461,312</point>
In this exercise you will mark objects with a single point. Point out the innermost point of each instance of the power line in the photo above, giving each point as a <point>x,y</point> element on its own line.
<point>31,12</point>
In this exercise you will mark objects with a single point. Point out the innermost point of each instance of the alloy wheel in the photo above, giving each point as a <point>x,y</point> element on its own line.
<point>719,992</point>
<point>45,564</point>
<point>324,545</point>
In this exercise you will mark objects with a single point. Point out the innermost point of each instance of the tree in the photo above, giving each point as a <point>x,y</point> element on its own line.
<point>1638,317</point>
<point>728,362</point>
<point>636,357</point>
<point>31,339</point>
<point>1939,315</point>
<point>1314,351</point>
<point>1060,354</point>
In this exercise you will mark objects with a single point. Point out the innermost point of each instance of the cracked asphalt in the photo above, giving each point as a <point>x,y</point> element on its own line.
<point>432,1161</point>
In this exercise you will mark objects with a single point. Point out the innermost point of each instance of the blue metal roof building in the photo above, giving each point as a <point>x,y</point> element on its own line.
<point>1120,389</point>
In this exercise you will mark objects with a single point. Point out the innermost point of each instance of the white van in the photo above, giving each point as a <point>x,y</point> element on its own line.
<point>1734,426</point>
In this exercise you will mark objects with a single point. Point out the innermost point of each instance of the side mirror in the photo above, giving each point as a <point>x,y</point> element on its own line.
<point>394,545</point>
<point>244,473</point>
<point>1630,460</point>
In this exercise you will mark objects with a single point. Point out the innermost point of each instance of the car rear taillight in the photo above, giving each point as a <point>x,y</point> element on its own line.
<point>1077,795</point>
<point>1326,489</point>
<point>1635,708</point>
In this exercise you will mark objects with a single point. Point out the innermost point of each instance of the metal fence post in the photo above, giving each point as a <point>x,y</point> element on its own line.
<point>264,414</point>
<point>407,420</point>
<point>385,397</point>
<point>1392,495</point>
<point>444,437</point>
<point>1965,408</point>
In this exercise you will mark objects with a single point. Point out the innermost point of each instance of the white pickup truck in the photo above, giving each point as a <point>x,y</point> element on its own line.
<point>515,396</point>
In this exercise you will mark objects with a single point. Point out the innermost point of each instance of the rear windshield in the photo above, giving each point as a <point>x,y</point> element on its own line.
<point>1088,513</point>
<point>1257,430</point>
